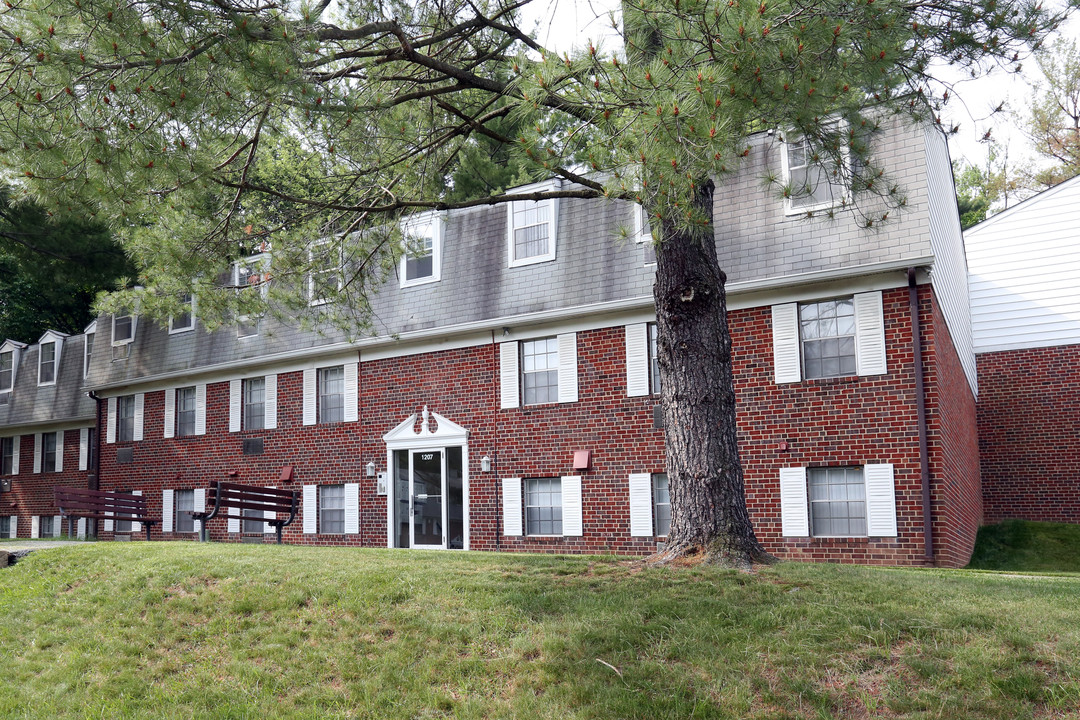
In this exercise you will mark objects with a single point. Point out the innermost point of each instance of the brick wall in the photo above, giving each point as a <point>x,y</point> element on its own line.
<point>834,422</point>
<point>32,493</point>
<point>1029,416</point>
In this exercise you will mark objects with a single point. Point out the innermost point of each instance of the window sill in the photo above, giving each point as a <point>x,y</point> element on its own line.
<point>418,282</point>
<point>536,260</point>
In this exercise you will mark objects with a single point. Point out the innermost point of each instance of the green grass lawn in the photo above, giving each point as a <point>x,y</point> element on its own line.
<point>186,630</point>
<point>1028,546</point>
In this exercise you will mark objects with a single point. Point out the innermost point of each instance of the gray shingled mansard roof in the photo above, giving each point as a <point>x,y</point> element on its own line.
<point>30,405</point>
<point>757,243</point>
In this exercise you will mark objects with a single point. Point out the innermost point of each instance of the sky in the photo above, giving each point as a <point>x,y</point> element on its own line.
<point>562,24</point>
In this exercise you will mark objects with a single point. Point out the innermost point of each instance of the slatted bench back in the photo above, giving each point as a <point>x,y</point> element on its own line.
<point>102,505</point>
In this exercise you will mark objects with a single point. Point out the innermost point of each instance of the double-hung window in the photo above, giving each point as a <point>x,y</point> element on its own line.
<point>540,371</point>
<point>324,278</point>
<point>654,366</point>
<point>48,452</point>
<point>813,181</point>
<point>332,509</point>
<point>88,351</point>
<point>185,505</point>
<point>531,230</point>
<point>543,506</point>
<point>123,329</point>
<point>332,394</point>
<point>185,411</point>
<point>185,320</point>
<point>421,260</point>
<point>837,501</point>
<point>254,410</point>
<point>47,363</point>
<point>125,418</point>
<point>7,370</point>
<point>827,330</point>
<point>251,525</point>
<point>250,276</point>
<point>661,504</point>
<point>7,456</point>
<point>46,527</point>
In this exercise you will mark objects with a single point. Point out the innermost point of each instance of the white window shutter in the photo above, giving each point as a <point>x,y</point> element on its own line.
<point>236,401</point>
<point>13,526</point>
<point>58,462</point>
<point>352,508</point>
<point>37,453</point>
<point>869,334</point>
<point>200,409</point>
<point>880,500</point>
<point>511,497</point>
<point>270,403</point>
<point>571,506</point>
<point>170,413</point>
<point>136,526</point>
<point>80,529</point>
<point>108,522</point>
<point>233,525</point>
<point>166,511</point>
<point>35,526</point>
<point>84,448</point>
<point>139,402</point>
<point>641,505</point>
<point>637,361</point>
<point>200,506</point>
<point>794,520</point>
<point>311,510</point>
<point>310,376</point>
<point>110,422</point>
<point>785,332</point>
<point>15,454</point>
<point>352,391</point>
<point>568,384</point>
<point>509,381</point>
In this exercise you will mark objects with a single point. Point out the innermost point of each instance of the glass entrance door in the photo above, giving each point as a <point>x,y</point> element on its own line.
<point>428,521</point>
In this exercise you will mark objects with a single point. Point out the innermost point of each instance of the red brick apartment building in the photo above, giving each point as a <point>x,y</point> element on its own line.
<point>508,402</point>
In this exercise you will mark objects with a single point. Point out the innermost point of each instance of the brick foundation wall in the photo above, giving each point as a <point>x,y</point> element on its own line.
<point>1029,416</point>
<point>32,493</point>
<point>954,447</point>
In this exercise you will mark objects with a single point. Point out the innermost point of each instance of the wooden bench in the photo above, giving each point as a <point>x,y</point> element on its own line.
<point>263,500</point>
<point>101,505</point>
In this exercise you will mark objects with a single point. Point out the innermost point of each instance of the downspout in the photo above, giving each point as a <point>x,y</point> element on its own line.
<point>93,481</point>
<point>495,448</point>
<point>920,404</point>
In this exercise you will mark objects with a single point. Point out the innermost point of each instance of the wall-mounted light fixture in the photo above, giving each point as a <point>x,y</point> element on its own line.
<point>371,469</point>
<point>485,464</point>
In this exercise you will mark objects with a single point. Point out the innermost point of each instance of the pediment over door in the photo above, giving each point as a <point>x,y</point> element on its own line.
<point>446,432</point>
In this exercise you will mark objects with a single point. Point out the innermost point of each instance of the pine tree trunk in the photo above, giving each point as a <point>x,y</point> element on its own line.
<point>708,504</point>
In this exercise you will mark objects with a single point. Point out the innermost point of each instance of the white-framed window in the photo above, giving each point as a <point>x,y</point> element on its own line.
<point>543,506</point>
<point>7,370</point>
<point>185,321</point>
<point>540,371</point>
<point>185,411</point>
<point>827,335</point>
<point>332,509</point>
<point>125,418</point>
<point>840,501</point>
<point>829,338</point>
<point>532,228</point>
<point>49,450</point>
<point>252,274</point>
<point>47,363</point>
<point>421,261</point>
<point>122,527</point>
<point>184,505</point>
<point>251,525</point>
<point>254,398</point>
<point>654,366</point>
<point>324,279</point>
<point>813,183</point>
<point>331,394</point>
<point>837,501</point>
<point>88,351</point>
<point>7,457</point>
<point>5,526</point>
<point>123,329</point>
<point>661,504</point>
<point>46,527</point>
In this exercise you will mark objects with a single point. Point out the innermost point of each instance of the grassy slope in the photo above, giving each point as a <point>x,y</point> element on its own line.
<point>1030,546</point>
<point>242,631</point>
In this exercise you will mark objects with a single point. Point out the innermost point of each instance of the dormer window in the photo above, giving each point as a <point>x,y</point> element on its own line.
<point>123,329</point>
<point>47,363</point>
<point>532,227</point>
<point>251,275</point>
<point>422,259</point>
<point>814,183</point>
<point>324,280</point>
<point>88,349</point>
<point>186,319</point>
<point>7,370</point>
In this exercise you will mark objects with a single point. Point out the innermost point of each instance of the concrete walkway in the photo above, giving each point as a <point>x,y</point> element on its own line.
<point>21,548</point>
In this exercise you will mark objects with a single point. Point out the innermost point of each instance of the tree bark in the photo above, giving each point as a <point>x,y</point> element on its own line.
<point>709,519</point>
